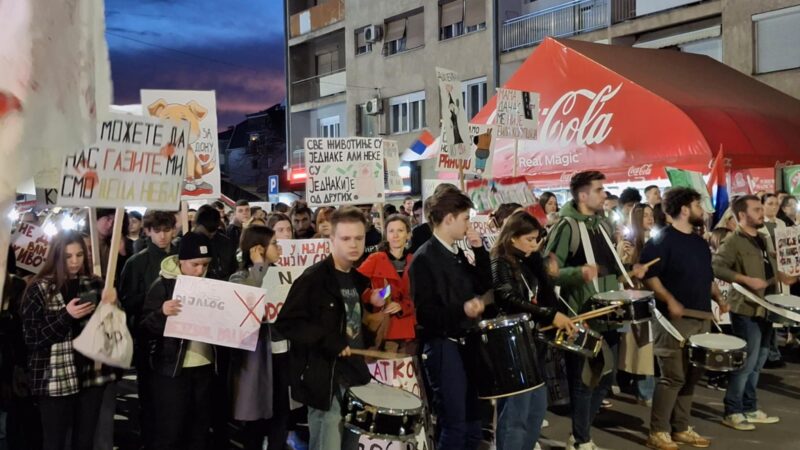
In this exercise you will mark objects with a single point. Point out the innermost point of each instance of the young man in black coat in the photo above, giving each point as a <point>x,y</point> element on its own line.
<point>322,320</point>
<point>446,289</point>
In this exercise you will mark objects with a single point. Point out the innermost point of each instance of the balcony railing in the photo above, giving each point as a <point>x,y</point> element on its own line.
<point>318,86</point>
<point>568,19</point>
<point>319,16</point>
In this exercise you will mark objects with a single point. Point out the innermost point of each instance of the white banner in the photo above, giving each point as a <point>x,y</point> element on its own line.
<point>276,284</point>
<point>344,171</point>
<point>30,247</point>
<point>517,114</point>
<point>788,249</point>
<point>303,252</point>
<point>136,161</point>
<point>199,109</point>
<point>454,149</point>
<point>217,312</point>
<point>391,155</point>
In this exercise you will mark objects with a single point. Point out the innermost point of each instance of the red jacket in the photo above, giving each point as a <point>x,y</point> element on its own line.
<point>380,270</point>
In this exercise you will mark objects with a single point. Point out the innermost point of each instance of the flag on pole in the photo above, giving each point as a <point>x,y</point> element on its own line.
<point>425,147</point>
<point>718,187</point>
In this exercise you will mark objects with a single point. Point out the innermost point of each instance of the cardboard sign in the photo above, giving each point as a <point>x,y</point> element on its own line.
<point>391,155</point>
<point>488,195</point>
<point>199,110</point>
<point>454,133</point>
<point>788,249</point>
<point>344,171</point>
<point>485,226</point>
<point>517,114</point>
<point>482,148</point>
<point>277,283</point>
<point>217,312</point>
<point>303,252</point>
<point>30,247</point>
<point>136,161</point>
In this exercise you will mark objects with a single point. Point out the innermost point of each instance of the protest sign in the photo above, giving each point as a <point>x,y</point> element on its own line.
<point>788,249</point>
<point>517,114</point>
<point>199,110</point>
<point>488,195</point>
<point>482,148</point>
<point>135,161</point>
<point>30,247</point>
<point>344,171</point>
<point>303,252</point>
<point>485,226</point>
<point>217,312</point>
<point>791,179</point>
<point>752,181</point>
<point>276,284</point>
<point>694,180</point>
<point>391,155</point>
<point>454,147</point>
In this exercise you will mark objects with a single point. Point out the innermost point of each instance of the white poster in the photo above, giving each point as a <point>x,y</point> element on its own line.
<point>344,171</point>
<point>391,155</point>
<point>454,150</point>
<point>199,109</point>
<point>136,161</point>
<point>517,114</point>
<point>276,284</point>
<point>30,247</point>
<point>217,312</point>
<point>788,249</point>
<point>482,148</point>
<point>303,252</point>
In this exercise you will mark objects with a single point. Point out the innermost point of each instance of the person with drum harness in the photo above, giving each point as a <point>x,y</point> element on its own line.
<point>588,265</point>
<point>445,288</point>
<point>682,279</point>
<point>522,286</point>
<point>747,258</point>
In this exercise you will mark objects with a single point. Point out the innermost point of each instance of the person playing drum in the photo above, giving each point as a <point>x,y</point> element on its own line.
<point>522,285</point>
<point>682,278</point>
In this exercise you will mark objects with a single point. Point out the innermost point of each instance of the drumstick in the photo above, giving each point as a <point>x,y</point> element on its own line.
<point>378,354</point>
<point>587,316</point>
<point>647,265</point>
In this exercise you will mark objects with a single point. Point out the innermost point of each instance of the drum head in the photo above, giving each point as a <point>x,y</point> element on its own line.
<point>387,397</point>
<point>786,301</point>
<point>503,321</point>
<point>717,341</point>
<point>622,296</point>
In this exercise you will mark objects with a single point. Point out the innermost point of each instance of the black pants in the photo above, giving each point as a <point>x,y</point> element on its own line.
<point>78,413</point>
<point>181,409</point>
<point>276,429</point>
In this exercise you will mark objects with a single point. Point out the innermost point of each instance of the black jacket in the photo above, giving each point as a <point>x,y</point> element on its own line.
<point>223,258</point>
<point>139,273</point>
<point>512,295</point>
<point>313,319</point>
<point>234,233</point>
<point>441,282</point>
<point>420,234</point>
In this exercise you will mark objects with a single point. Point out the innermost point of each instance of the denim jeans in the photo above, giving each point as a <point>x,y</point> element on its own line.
<point>741,395</point>
<point>645,386</point>
<point>325,429</point>
<point>519,419</point>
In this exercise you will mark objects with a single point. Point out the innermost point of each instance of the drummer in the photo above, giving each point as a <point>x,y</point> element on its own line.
<point>682,278</point>
<point>521,285</point>
<point>748,258</point>
<point>587,267</point>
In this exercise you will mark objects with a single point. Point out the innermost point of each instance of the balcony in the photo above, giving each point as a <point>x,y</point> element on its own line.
<point>568,19</point>
<point>317,17</point>
<point>318,86</point>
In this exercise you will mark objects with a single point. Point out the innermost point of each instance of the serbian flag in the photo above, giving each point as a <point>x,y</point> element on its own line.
<point>717,186</point>
<point>425,147</point>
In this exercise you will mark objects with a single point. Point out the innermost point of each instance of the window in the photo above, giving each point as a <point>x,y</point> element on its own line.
<point>366,122</point>
<point>459,17</point>
<point>362,46</point>
<point>329,127</point>
<point>474,95</point>
<point>776,36</point>
<point>406,33</point>
<point>327,62</point>
<point>407,113</point>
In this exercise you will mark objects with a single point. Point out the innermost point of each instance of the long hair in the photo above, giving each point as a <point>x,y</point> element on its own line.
<point>384,246</point>
<point>637,228</point>
<point>54,269</point>
<point>252,236</point>
<point>518,224</point>
<point>545,197</point>
<point>503,212</point>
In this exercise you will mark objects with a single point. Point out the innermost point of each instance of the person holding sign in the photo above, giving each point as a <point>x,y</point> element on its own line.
<point>260,378</point>
<point>446,289</point>
<point>182,370</point>
<point>322,320</point>
<point>281,225</point>
<point>54,309</point>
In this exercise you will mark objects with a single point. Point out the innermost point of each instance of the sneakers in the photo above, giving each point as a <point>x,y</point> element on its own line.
<point>691,437</point>
<point>572,445</point>
<point>545,423</point>
<point>606,404</point>
<point>661,441</point>
<point>761,417</point>
<point>738,422</point>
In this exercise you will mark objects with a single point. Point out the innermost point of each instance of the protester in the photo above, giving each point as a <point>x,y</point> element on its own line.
<point>610,206</point>
<point>281,225</point>
<point>549,202</point>
<point>254,221</point>
<point>301,221</point>
<point>240,215</point>
<point>373,236</point>
<point>407,207</point>
<point>257,211</point>
<point>134,226</point>
<point>191,213</point>
<point>324,222</point>
<point>503,212</point>
<point>105,228</point>
<point>422,232</point>
<point>653,195</point>
<point>416,216</point>
<point>394,322</point>
<point>788,212</point>
<point>220,207</point>
<point>222,249</point>
<point>629,198</point>
<point>771,209</point>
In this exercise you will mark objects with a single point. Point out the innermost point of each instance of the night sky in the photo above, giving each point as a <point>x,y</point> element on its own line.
<point>232,46</point>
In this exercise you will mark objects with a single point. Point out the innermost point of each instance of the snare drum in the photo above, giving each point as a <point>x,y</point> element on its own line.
<point>720,352</point>
<point>584,341</point>
<point>382,412</point>
<point>502,355</point>
<point>788,302</point>
<point>634,306</point>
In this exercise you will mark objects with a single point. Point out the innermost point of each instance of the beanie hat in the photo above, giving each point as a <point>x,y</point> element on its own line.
<point>193,246</point>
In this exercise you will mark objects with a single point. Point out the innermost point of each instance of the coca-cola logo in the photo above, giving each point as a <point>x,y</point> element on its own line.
<point>593,127</point>
<point>640,171</point>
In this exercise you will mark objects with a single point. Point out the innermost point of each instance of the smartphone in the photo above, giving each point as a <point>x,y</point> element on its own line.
<point>88,297</point>
<point>385,292</point>
<point>89,290</point>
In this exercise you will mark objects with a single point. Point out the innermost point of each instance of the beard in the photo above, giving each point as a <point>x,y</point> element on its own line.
<point>697,221</point>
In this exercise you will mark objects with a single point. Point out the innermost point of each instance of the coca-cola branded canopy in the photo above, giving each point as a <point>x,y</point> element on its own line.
<point>631,112</point>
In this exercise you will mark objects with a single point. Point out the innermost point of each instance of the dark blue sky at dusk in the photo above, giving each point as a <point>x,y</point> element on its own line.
<point>232,46</point>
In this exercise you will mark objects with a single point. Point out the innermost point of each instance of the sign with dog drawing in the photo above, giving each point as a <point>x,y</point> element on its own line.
<point>136,161</point>
<point>482,149</point>
<point>344,171</point>
<point>217,312</point>
<point>199,109</point>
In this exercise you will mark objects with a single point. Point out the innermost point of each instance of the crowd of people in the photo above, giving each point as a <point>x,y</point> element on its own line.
<point>550,268</point>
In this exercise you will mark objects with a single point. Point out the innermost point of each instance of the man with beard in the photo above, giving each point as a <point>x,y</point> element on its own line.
<point>748,258</point>
<point>681,279</point>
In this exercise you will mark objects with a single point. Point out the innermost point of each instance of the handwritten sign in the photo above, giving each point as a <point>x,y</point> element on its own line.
<point>135,161</point>
<point>391,155</point>
<point>303,252</point>
<point>217,312</point>
<point>485,226</point>
<point>482,148</point>
<point>517,114</point>
<point>344,171</point>
<point>455,136</point>
<point>277,283</point>
<point>198,109</point>
<point>30,247</point>
<point>788,247</point>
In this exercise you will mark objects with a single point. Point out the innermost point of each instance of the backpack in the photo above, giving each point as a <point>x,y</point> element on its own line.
<point>575,235</point>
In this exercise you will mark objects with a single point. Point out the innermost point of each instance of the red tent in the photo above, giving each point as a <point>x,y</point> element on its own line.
<point>631,112</point>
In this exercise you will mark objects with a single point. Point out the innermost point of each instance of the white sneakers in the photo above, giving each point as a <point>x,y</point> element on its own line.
<point>760,416</point>
<point>738,422</point>
<point>572,445</point>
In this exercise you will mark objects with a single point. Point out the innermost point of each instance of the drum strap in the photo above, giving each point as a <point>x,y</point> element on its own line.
<point>791,315</point>
<point>589,253</point>
<point>667,325</point>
